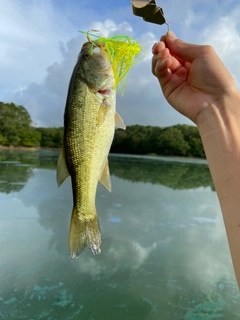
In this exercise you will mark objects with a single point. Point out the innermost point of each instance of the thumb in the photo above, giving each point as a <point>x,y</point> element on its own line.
<point>182,50</point>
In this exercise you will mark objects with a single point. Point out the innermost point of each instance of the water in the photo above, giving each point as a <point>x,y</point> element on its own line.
<point>164,252</point>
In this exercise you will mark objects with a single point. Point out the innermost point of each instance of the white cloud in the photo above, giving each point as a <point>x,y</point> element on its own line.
<point>37,55</point>
<point>46,101</point>
<point>224,36</point>
<point>132,253</point>
<point>109,28</point>
<point>30,34</point>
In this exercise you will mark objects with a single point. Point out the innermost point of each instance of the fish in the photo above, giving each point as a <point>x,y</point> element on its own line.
<point>90,119</point>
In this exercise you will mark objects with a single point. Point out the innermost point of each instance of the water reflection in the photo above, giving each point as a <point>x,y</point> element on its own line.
<point>16,168</point>
<point>164,252</point>
<point>176,175</point>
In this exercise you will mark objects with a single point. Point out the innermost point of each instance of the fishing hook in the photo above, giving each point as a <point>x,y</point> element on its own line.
<point>88,37</point>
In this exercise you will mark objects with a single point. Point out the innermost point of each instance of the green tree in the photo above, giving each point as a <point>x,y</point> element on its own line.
<point>51,137</point>
<point>192,136</point>
<point>179,140</point>
<point>15,122</point>
<point>31,138</point>
<point>171,142</point>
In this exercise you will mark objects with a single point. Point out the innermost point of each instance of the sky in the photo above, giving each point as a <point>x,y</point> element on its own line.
<point>40,42</point>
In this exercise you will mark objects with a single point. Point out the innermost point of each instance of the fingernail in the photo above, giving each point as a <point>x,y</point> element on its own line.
<point>153,47</point>
<point>162,61</point>
<point>171,35</point>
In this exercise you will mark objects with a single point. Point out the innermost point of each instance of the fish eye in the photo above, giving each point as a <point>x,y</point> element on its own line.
<point>86,55</point>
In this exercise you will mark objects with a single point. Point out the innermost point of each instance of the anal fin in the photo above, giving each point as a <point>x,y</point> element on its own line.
<point>62,170</point>
<point>105,178</point>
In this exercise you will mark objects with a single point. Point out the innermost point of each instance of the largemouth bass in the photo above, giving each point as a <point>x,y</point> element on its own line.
<point>89,122</point>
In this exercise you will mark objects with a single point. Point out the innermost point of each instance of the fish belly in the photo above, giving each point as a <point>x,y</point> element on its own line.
<point>89,130</point>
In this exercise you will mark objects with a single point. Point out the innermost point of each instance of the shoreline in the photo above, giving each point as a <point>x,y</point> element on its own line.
<point>13,148</point>
<point>151,155</point>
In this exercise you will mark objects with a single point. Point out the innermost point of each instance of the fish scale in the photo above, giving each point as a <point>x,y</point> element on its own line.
<point>83,141</point>
<point>89,124</point>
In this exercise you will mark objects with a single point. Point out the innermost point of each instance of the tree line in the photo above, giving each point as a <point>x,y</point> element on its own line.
<point>16,129</point>
<point>179,140</point>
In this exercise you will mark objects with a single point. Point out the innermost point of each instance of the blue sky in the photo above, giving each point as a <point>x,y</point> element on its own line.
<point>40,43</point>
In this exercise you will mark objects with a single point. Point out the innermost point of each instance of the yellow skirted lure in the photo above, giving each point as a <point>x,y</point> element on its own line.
<point>121,51</point>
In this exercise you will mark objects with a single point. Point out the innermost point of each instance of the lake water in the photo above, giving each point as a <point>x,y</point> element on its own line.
<point>164,252</point>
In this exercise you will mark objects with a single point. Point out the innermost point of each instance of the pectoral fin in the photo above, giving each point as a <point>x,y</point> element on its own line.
<point>105,177</point>
<point>62,171</point>
<point>102,112</point>
<point>119,121</point>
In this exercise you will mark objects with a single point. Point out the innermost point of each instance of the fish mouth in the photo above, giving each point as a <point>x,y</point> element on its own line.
<point>104,91</point>
<point>106,87</point>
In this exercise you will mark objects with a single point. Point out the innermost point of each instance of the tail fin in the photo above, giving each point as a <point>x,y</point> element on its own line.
<point>84,233</point>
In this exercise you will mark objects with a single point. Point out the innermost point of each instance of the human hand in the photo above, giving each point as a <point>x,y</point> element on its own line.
<point>192,77</point>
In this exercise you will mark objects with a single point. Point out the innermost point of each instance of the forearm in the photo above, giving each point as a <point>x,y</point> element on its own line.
<point>219,127</point>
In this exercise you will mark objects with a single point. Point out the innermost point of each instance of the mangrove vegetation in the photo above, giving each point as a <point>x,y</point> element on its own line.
<point>17,129</point>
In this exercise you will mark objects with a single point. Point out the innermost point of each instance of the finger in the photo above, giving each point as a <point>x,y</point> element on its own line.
<point>163,38</point>
<point>187,65</point>
<point>182,50</point>
<point>176,64</point>
<point>158,47</point>
<point>162,67</point>
<point>163,72</point>
<point>163,55</point>
<point>158,58</point>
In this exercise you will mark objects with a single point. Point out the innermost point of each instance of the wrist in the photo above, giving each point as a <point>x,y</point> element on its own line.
<point>219,127</point>
<point>220,116</point>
